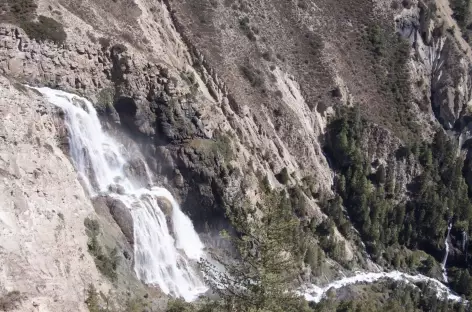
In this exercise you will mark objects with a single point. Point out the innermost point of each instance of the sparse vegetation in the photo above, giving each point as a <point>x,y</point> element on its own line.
<point>105,99</point>
<point>253,75</point>
<point>463,16</point>
<point>10,300</point>
<point>91,36</point>
<point>268,245</point>
<point>211,149</point>
<point>92,226</point>
<point>136,304</point>
<point>389,296</point>
<point>107,263</point>
<point>178,305</point>
<point>390,55</point>
<point>97,301</point>
<point>93,299</point>
<point>23,14</point>
<point>249,30</point>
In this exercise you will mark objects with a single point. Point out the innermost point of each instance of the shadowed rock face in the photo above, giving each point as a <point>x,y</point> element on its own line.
<point>122,217</point>
<point>126,107</point>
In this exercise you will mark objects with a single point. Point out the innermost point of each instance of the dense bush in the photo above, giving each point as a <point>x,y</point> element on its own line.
<point>249,30</point>
<point>463,16</point>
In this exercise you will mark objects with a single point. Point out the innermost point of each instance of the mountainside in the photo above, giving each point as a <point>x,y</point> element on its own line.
<point>352,116</point>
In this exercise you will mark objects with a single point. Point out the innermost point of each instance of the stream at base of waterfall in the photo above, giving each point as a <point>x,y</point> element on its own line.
<point>165,255</point>
<point>315,293</point>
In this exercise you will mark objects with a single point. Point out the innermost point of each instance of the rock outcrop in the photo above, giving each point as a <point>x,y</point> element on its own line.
<point>122,217</point>
<point>43,245</point>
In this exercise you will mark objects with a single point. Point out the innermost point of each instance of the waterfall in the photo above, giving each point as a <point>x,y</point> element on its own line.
<point>444,262</point>
<point>465,242</point>
<point>164,254</point>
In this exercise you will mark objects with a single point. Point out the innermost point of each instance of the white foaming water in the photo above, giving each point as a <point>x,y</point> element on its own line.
<point>443,264</point>
<point>316,293</point>
<point>159,258</point>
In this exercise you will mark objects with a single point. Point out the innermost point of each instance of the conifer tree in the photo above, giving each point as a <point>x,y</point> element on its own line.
<point>266,244</point>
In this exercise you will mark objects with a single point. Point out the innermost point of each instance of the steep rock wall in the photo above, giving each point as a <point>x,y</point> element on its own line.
<point>43,244</point>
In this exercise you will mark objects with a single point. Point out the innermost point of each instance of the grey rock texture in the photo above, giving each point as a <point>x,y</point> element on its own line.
<point>216,94</point>
<point>122,217</point>
<point>43,245</point>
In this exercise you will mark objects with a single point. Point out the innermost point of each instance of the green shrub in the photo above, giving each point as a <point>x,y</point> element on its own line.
<point>298,202</point>
<point>314,257</point>
<point>377,39</point>
<point>105,99</point>
<point>222,145</point>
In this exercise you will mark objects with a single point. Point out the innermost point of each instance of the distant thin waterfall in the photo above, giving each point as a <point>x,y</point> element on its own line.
<point>164,254</point>
<point>444,262</point>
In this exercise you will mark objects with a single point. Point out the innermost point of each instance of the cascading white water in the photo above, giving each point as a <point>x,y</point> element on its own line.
<point>316,293</point>
<point>444,262</point>
<point>160,259</point>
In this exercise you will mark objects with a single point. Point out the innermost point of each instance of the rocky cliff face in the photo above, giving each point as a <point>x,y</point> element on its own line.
<point>217,94</point>
<point>43,249</point>
<point>187,121</point>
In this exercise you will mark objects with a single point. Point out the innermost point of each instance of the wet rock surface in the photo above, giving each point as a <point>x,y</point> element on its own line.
<point>122,217</point>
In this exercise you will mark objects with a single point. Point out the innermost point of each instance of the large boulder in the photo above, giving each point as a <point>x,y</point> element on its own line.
<point>122,216</point>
